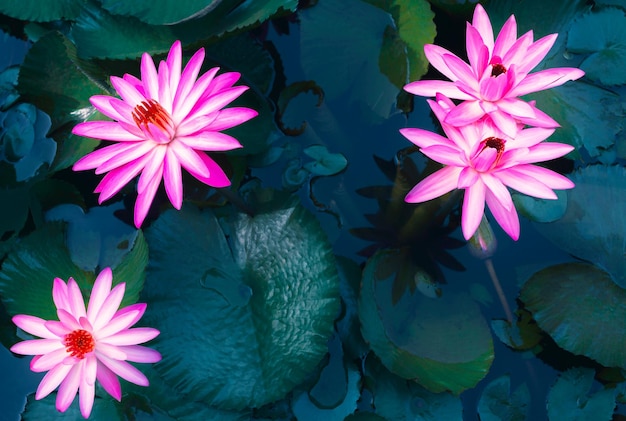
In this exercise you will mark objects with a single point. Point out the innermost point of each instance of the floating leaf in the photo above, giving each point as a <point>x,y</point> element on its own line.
<point>593,227</point>
<point>541,210</point>
<point>498,403</point>
<point>570,399</point>
<point>104,408</point>
<point>579,306</point>
<point>325,163</point>
<point>254,351</point>
<point>443,344</point>
<point>39,11</point>
<point>346,61</point>
<point>606,47</point>
<point>161,12</point>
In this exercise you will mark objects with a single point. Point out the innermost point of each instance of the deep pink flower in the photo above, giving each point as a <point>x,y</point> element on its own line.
<point>484,161</point>
<point>166,120</point>
<point>87,344</point>
<point>497,74</point>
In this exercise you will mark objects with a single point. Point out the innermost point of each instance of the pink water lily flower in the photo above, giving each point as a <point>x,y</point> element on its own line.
<point>166,120</point>
<point>87,344</point>
<point>484,161</point>
<point>497,74</point>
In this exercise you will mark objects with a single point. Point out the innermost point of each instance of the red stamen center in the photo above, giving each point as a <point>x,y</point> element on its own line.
<point>497,70</point>
<point>495,143</point>
<point>152,112</point>
<point>79,342</point>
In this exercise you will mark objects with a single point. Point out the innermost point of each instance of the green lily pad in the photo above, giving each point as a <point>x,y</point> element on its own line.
<point>325,163</point>
<point>161,12</point>
<point>498,403</point>
<point>252,314</point>
<point>35,10</point>
<point>541,210</point>
<point>104,408</point>
<point>346,61</point>
<point>443,344</point>
<point>606,48</point>
<point>579,306</point>
<point>29,270</point>
<point>593,227</point>
<point>569,398</point>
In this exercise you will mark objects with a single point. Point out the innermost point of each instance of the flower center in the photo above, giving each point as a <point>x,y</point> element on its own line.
<point>79,342</point>
<point>494,143</point>
<point>497,69</point>
<point>151,112</point>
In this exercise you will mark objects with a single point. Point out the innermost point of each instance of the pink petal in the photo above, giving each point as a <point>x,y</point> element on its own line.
<point>99,292</point>
<point>190,159</point>
<point>183,108</point>
<point>499,190</point>
<point>546,79</point>
<point>217,177</point>
<point>49,360</point>
<point>473,209</point>
<point>461,70</point>
<point>481,22</point>
<point>106,130</point>
<point>210,141</point>
<point>136,151</point>
<point>536,52</point>
<point>123,319</point>
<point>109,382</point>
<point>541,119</point>
<point>134,336</point>
<point>51,380</point>
<point>37,346</point>
<point>430,88</point>
<point>424,138</point>
<point>504,122</point>
<point>118,178</point>
<point>86,397</point>
<point>153,168</point>
<point>517,52</point>
<point>516,107</point>
<point>174,64</point>
<point>231,117</point>
<point>493,88</point>
<point>216,102</point>
<point>465,113</point>
<point>127,91</point>
<point>173,180</point>
<point>530,137</point>
<point>59,294</point>
<point>546,151</point>
<point>435,55</point>
<point>149,77</point>
<point>165,94</point>
<point>145,197</point>
<point>187,81</point>
<point>125,371</point>
<point>190,126</point>
<point>507,219</point>
<point>548,177</point>
<point>467,178</point>
<point>58,329</point>
<point>103,155</point>
<point>525,184</point>
<point>506,38</point>
<point>443,154</point>
<point>111,351</point>
<point>221,83</point>
<point>109,307</point>
<point>33,325</point>
<point>435,185</point>
<point>112,107</point>
<point>477,51</point>
<point>76,301</point>
<point>69,387</point>
<point>141,354</point>
<point>68,319</point>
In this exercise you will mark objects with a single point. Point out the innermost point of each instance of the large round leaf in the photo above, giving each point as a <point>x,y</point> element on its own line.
<point>242,322</point>
<point>442,343</point>
<point>160,12</point>
<point>593,227</point>
<point>579,306</point>
<point>40,11</point>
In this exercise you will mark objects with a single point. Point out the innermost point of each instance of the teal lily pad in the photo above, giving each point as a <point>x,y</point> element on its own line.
<point>541,210</point>
<point>246,319</point>
<point>161,12</point>
<point>606,48</point>
<point>35,10</point>
<point>579,306</point>
<point>325,163</point>
<point>104,408</point>
<point>593,227</point>
<point>498,403</point>
<point>570,398</point>
<point>443,344</point>
<point>29,270</point>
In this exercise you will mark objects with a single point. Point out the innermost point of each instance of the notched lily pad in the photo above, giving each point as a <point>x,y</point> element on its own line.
<point>498,403</point>
<point>325,163</point>
<point>581,308</point>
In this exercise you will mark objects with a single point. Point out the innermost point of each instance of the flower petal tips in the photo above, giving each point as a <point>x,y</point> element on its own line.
<point>87,344</point>
<point>165,121</point>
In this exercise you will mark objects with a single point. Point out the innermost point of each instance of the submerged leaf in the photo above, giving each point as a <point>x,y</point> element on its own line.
<point>498,403</point>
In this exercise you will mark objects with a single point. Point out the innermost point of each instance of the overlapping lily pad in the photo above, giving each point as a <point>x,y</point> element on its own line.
<point>444,343</point>
<point>499,402</point>
<point>39,11</point>
<point>579,306</point>
<point>593,227</point>
<point>242,320</point>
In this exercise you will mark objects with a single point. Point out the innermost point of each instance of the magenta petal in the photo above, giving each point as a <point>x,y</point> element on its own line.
<point>134,336</point>
<point>125,371</point>
<point>109,306</point>
<point>111,351</point>
<point>36,346</point>
<point>59,294</point>
<point>435,55</point>
<point>507,219</point>
<point>481,22</point>
<point>210,141</point>
<point>106,130</point>
<point>127,91</point>
<point>153,168</point>
<point>424,138</point>
<point>477,51</point>
<point>109,381</point>
<point>118,178</point>
<point>174,65</point>
<point>546,79</point>
<point>217,177</point>
<point>465,113</point>
<point>86,397</point>
<point>506,37</point>
<point>499,190</point>
<point>33,325</point>
<point>530,137</point>
<point>468,177</point>
<point>444,154</point>
<point>51,380</point>
<point>123,319</point>
<point>536,52</point>
<point>516,107</point>
<point>430,88</point>
<point>525,184</point>
<point>217,102</point>
<point>77,304</point>
<point>99,292</point>
<point>173,180</point>
<point>505,123</point>
<point>473,209</point>
<point>101,156</point>
<point>546,151</point>
<point>69,387</point>
<point>181,109</point>
<point>112,107</point>
<point>190,159</point>
<point>461,70</point>
<point>549,178</point>
<point>231,117</point>
<point>435,185</point>
<point>141,354</point>
<point>146,196</point>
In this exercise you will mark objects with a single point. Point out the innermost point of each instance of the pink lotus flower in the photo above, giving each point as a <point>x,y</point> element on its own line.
<point>85,345</point>
<point>163,121</point>
<point>484,161</point>
<point>498,73</point>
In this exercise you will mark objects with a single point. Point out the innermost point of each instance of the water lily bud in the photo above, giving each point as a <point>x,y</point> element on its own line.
<point>483,243</point>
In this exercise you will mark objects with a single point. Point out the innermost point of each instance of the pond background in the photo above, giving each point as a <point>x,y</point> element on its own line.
<point>358,117</point>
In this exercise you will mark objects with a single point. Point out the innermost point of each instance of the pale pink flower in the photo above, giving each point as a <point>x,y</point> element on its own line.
<point>484,161</point>
<point>166,120</point>
<point>497,74</point>
<point>87,344</point>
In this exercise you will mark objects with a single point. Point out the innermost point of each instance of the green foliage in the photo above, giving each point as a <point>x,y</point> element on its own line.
<point>39,11</point>
<point>498,403</point>
<point>263,302</point>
